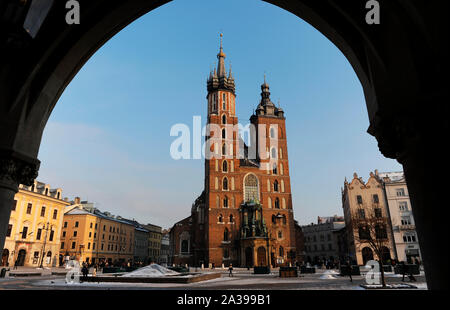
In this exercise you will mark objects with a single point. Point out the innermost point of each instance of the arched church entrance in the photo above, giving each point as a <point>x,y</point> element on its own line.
<point>262,256</point>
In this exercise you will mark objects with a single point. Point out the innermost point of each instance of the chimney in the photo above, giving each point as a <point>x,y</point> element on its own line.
<point>77,200</point>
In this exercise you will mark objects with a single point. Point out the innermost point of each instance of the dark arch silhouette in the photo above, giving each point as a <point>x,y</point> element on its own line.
<point>398,62</point>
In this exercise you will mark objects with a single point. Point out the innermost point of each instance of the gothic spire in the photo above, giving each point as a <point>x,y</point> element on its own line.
<point>221,56</point>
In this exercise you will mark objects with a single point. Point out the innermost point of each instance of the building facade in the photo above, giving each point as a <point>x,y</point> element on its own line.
<point>165,249</point>
<point>180,243</point>
<point>154,242</point>
<point>91,236</point>
<point>402,219</point>
<point>299,244</point>
<point>366,201</point>
<point>33,236</point>
<point>322,240</point>
<point>244,215</point>
<point>141,241</point>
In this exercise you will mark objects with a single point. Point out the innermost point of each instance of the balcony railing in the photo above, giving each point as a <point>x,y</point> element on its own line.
<point>407,227</point>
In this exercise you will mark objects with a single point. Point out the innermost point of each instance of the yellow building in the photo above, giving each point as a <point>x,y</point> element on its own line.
<point>154,242</point>
<point>34,227</point>
<point>89,235</point>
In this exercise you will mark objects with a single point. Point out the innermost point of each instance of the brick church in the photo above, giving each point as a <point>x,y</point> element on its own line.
<point>244,215</point>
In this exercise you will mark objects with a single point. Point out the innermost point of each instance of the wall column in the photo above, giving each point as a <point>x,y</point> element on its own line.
<point>417,139</point>
<point>15,169</point>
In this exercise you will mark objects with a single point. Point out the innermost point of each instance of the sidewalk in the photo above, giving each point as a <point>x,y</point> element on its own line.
<point>33,271</point>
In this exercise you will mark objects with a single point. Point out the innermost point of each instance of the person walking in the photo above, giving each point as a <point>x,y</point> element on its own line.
<point>230,269</point>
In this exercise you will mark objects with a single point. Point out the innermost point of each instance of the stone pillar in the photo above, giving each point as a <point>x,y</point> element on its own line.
<point>424,173</point>
<point>15,169</point>
<point>417,140</point>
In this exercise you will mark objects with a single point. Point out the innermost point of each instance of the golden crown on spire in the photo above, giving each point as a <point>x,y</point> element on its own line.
<point>221,53</point>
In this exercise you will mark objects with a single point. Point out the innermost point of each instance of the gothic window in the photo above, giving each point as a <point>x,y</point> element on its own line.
<point>224,149</point>
<point>220,218</point>
<point>281,169</point>
<point>275,186</point>
<point>272,133</point>
<point>225,202</point>
<point>274,169</point>
<point>283,203</point>
<point>231,218</point>
<point>280,235</point>
<point>224,102</point>
<point>251,188</point>
<point>274,220</point>
<point>185,246</point>
<point>225,234</point>
<point>281,153</point>
<point>225,184</point>
<point>277,203</point>
<point>281,251</point>
<point>224,119</point>
<point>269,202</point>
<point>284,219</point>
<point>282,186</point>
<point>268,185</point>
<point>224,166</point>
<point>224,133</point>
<point>274,153</point>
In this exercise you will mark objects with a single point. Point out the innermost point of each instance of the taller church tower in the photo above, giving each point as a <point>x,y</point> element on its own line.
<point>244,215</point>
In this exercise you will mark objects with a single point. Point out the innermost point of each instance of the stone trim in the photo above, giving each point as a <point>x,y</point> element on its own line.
<point>17,169</point>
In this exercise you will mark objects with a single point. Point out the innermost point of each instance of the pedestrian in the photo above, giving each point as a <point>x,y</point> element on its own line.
<point>350,270</point>
<point>230,269</point>
<point>94,272</point>
<point>403,268</point>
<point>85,271</point>
<point>15,264</point>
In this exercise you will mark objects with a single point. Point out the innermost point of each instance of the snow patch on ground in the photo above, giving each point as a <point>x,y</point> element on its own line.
<point>327,277</point>
<point>152,271</point>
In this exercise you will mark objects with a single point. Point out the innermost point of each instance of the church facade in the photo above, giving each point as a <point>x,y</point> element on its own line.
<point>244,215</point>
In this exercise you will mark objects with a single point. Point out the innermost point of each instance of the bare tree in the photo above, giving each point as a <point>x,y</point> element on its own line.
<point>370,230</point>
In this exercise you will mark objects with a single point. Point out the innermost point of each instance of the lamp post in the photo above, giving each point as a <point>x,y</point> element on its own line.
<point>43,247</point>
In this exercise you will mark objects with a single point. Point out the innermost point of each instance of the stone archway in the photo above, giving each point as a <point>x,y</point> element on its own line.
<point>21,257</point>
<point>398,62</point>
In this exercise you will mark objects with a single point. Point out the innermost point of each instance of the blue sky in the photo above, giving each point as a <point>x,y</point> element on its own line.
<point>108,138</point>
